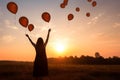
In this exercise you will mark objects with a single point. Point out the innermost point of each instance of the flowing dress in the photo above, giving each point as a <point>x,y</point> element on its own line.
<point>40,67</point>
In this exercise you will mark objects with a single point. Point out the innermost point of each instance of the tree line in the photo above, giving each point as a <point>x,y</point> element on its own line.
<point>87,60</point>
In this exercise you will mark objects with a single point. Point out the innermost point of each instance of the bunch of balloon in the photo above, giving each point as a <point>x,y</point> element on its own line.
<point>24,22</point>
<point>63,5</point>
<point>13,8</point>
<point>71,16</point>
<point>93,3</point>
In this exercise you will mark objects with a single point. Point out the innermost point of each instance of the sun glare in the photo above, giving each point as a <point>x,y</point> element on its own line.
<point>60,47</point>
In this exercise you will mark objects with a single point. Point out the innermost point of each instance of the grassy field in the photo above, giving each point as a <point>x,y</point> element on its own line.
<point>10,70</point>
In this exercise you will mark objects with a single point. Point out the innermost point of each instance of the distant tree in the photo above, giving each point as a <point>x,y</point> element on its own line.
<point>76,57</point>
<point>115,57</point>
<point>97,55</point>
<point>82,57</point>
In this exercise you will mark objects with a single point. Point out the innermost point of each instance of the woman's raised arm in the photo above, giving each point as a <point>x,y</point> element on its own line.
<point>47,37</point>
<point>30,40</point>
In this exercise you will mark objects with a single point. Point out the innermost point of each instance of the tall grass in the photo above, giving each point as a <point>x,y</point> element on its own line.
<point>10,70</point>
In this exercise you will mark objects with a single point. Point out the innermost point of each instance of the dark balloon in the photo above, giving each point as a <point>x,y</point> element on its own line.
<point>94,3</point>
<point>30,27</point>
<point>65,2</point>
<point>89,0</point>
<point>23,21</point>
<point>77,9</point>
<point>46,16</point>
<point>12,7</point>
<point>88,14</point>
<point>70,17</point>
<point>62,5</point>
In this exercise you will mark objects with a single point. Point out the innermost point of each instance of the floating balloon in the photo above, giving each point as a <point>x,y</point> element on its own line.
<point>23,21</point>
<point>94,3</point>
<point>77,9</point>
<point>12,7</point>
<point>62,5</point>
<point>65,2</point>
<point>70,16</point>
<point>88,14</point>
<point>89,0</point>
<point>46,16</point>
<point>30,27</point>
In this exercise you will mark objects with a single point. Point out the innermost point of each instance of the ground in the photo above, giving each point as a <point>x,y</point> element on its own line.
<point>11,70</point>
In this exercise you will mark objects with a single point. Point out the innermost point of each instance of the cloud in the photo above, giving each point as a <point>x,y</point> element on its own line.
<point>98,35</point>
<point>8,38</point>
<point>10,25</point>
<point>116,25</point>
<point>95,19</point>
<point>118,15</point>
<point>44,28</point>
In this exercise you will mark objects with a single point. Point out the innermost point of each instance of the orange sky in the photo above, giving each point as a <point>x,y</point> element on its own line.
<point>81,36</point>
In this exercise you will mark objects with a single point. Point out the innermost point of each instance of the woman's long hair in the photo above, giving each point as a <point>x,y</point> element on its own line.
<point>40,42</point>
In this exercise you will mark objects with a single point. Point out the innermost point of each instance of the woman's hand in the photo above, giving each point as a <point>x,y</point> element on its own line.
<point>27,35</point>
<point>49,30</point>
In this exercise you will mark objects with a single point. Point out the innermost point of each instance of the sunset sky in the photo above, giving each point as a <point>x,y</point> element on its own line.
<point>81,36</point>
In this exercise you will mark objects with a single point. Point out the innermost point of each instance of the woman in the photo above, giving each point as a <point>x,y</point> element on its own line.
<point>40,68</point>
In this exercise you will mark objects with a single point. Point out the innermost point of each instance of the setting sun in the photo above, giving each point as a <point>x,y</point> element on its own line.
<point>59,47</point>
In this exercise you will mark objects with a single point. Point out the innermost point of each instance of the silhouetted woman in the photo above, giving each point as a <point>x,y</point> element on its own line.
<point>40,68</point>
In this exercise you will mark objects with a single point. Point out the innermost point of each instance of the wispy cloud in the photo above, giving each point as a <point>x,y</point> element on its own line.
<point>98,35</point>
<point>7,38</point>
<point>118,15</point>
<point>10,25</point>
<point>116,25</point>
<point>95,19</point>
<point>45,28</point>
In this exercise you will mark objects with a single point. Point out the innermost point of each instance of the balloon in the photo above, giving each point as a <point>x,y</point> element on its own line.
<point>30,27</point>
<point>89,0</point>
<point>62,5</point>
<point>88,14</point>
<point>70,16</point>
<point>77,9</point>
<point>12,7</point>
<point>46,16</point>
<point>23,21</point>
<point>94,3</point>
<point>65,2</point>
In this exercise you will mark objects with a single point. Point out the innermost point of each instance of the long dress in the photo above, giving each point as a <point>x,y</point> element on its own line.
<point>40,68</point>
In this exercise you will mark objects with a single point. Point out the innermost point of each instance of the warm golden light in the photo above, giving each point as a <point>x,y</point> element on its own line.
<point>59,47</point>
